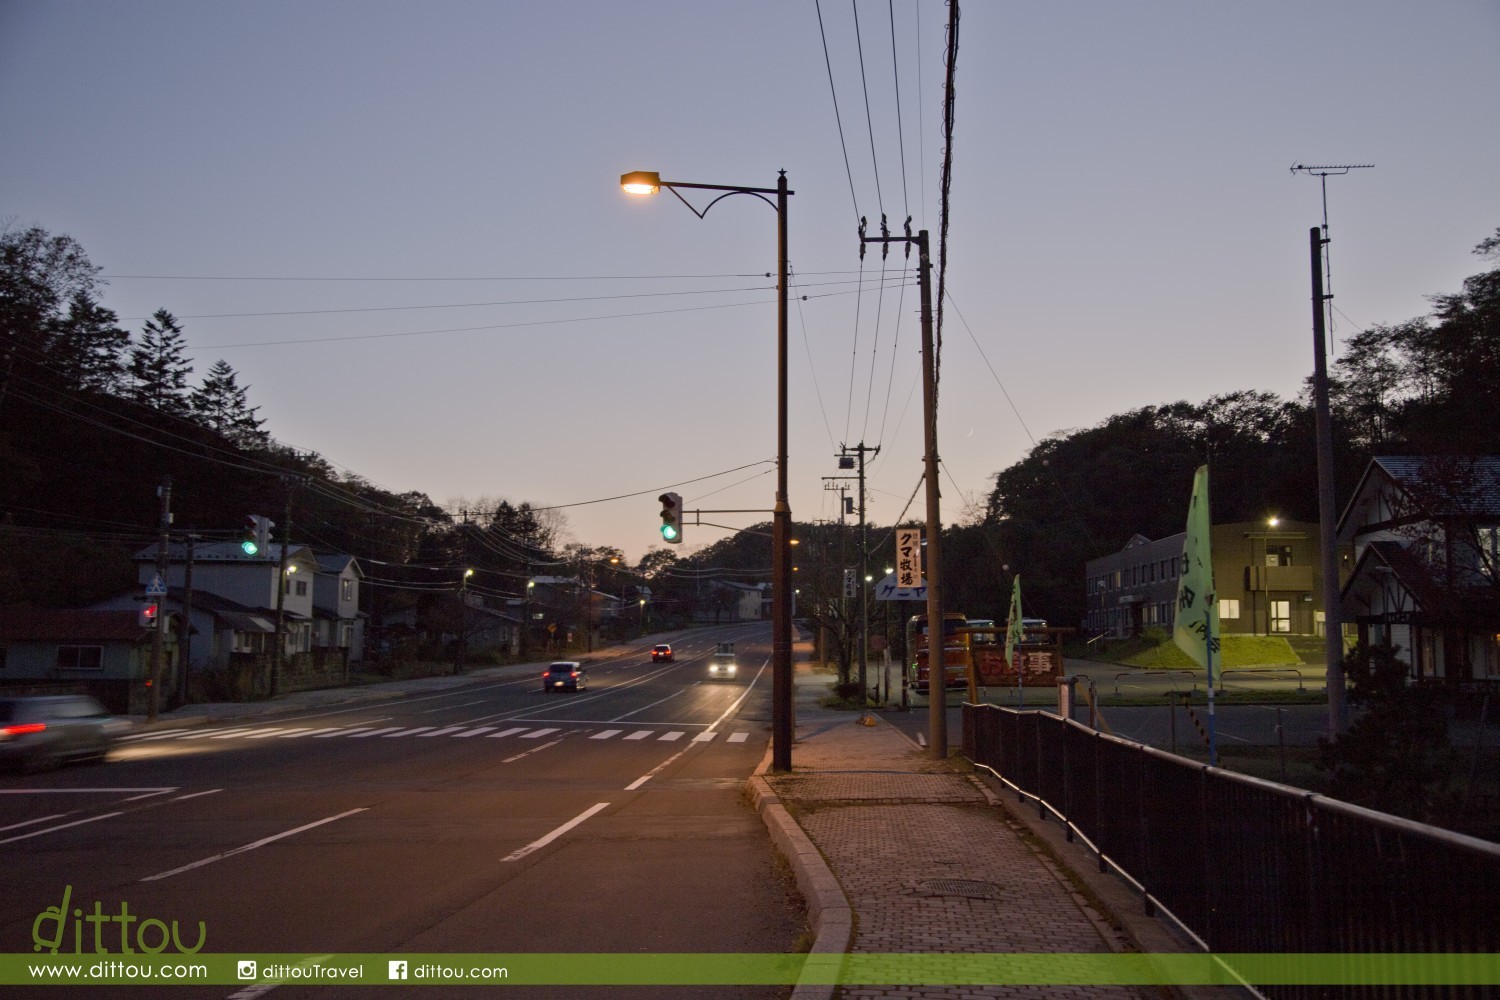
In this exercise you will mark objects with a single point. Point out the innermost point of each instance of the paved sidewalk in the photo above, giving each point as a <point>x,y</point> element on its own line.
<point>907,854</point>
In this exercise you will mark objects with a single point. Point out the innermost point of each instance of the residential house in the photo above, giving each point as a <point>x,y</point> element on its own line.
<point>1425,534</point>
<point>106,654</point>
<point>338,624</point>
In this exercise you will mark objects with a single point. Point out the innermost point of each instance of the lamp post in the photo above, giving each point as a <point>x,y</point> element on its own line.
<point>646,182</point>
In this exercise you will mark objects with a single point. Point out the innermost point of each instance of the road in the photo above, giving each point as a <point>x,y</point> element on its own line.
<point>492,818</point>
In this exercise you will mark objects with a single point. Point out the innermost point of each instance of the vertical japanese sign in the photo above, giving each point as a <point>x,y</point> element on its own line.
<point>908,557</point>
<point>1196,631</point>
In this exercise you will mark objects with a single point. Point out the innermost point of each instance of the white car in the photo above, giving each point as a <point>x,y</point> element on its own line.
<point>721,666</point>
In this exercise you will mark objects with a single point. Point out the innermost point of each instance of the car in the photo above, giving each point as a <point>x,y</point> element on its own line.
<point>721,666</point>
<point>40,730</point>
<point>565,675</point>
<point>661,653</point>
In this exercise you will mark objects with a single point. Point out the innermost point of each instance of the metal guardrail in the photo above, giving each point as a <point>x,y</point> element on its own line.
<point>1267,673</point>
<point>1246,865</point>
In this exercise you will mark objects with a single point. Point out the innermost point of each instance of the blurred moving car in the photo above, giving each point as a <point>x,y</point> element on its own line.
<point>661,652</point>
<point>40,730</point>
<point>721,666</point>
<point>565,675</point>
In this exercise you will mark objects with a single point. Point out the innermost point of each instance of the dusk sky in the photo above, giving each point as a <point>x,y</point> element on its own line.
<point>401,223</point>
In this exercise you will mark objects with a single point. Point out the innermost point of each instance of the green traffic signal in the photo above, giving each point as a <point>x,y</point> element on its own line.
<point>669,532</point>
<point>249,546</point>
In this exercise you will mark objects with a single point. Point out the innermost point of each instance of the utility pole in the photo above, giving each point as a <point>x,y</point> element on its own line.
<point>937,670</point>
<point>844,503</point>
<point>1322,282</point>
<point>163,543</point>
<point>185,644</point>
<point>279,657</point>
<point>864,571</point>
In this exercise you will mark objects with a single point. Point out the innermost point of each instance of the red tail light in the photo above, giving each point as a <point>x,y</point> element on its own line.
<point>23,728</point>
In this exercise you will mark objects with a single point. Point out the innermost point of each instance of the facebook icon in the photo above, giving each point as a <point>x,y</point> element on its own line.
<point>396,969</point>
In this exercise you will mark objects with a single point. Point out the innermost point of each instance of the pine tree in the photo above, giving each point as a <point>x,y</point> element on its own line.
<point>221,403</point>
<point>88,346</point>
<point>158,369</point>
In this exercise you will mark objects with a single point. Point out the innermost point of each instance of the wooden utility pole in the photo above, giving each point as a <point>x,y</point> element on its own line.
<point>163,545</point>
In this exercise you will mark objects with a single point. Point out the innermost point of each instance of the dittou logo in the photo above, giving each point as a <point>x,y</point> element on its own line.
<point>100,933</point>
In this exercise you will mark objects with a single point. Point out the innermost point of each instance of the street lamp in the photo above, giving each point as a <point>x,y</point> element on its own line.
<point>648,182</point>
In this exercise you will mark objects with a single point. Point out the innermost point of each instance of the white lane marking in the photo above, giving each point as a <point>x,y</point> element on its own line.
<point>151,794</point>
<point>738,737</point>
<point>473,732</point>
<point>465,704</point>
<point>79,791</point>
<point>406,732</point>
<point>644,707</point>
<point>39,819</point>
<point>638,782</point>
<point>538,734</point>
<point>442,732</point>
<point>343,732</point>
<point>194,795</point>
<point>675,734</point>
<point>245,732</point>
<point>549,838</point>
<point>251,846</point>
<point>295,733</point>
<point>506,732</point>
<point>60,826</point>
<point>376,732</point>
<point>273,732</point>
<point>606,734</point>
<point>640,734</point>
<point>159,734</point>
<point>531,751</point>
<point>705,737</point>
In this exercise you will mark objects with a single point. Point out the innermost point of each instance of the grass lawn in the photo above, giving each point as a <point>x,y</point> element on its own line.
<point>1235,651</point>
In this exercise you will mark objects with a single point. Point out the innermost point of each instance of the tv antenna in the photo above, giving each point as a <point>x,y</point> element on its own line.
<point>1322,173</point>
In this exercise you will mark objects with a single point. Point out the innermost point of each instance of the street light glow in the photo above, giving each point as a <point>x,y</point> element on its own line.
<point>641,182</point>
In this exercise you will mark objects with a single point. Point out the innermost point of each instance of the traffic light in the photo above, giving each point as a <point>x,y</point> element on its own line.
<point>256,534</point>
<point>671,517</point>
<point>148,616</point>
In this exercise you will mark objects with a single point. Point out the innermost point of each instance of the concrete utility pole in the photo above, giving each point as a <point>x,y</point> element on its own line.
<point>185,645</point>
<point>937,669</point>
<point>1333,626</point>
<point>279,658</point>
<point>163,543</point>
<point>864,571</point>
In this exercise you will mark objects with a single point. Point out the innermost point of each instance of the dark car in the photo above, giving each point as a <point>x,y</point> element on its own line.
<point>565,675</point>
<point>661,652</point>
<point>39,730</point>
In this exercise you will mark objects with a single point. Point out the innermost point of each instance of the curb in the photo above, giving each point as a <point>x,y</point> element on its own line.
<point>828,909</point>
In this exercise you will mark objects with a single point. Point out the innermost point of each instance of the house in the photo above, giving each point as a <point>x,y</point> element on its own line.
<point>731,601</point>
<point>1266,573</point>
<point>106,654</point>
<point>1425,535</point>
<point>338,624</point>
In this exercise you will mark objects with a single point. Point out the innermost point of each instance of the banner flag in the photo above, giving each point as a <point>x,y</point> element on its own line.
<point>1196,631</point>
<point>1014,630</point>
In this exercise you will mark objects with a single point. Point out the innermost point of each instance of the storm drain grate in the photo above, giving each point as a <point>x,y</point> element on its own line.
<point>961,887</point>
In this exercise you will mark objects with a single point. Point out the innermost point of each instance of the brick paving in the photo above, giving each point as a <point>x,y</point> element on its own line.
<point>928,862</point>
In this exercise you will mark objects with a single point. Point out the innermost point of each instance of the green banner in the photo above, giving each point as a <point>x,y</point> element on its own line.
<point>749,969</point>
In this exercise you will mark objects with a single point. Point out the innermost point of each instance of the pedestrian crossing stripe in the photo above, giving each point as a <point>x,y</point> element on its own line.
<point>402,732</point>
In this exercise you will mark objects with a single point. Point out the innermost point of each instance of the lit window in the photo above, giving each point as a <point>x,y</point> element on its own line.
<point>1229,609</point>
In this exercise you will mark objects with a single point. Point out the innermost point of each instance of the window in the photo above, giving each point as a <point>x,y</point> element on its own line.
<point>80,657</point>
<point>346,590</point>
<point>1229,609</point>
<point>1489,552</point>
<point>1281,616</point>
<point>301,588</point>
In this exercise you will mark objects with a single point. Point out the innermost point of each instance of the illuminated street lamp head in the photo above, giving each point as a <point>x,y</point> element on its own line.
<point>641,182</point>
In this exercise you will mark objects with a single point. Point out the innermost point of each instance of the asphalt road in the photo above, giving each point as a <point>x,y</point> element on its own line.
<point>491,818</point>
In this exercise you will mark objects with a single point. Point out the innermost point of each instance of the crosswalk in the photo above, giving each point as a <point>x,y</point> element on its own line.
<point>367,732</point>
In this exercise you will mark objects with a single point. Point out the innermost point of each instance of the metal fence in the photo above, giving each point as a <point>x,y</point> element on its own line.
<point>1247,865</point>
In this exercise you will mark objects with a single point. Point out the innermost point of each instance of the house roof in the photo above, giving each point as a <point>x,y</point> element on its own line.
<point>226,552</point>
<point>54,625</point>
<point>1475,604</point>
<point>336,562</point>
<point>1465,485</point>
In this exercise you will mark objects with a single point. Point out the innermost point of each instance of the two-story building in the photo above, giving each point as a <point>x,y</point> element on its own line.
<point>1425,534</point>
<point>1267,575</point>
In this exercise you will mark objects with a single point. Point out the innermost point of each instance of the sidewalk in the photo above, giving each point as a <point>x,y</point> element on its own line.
<point>896,852</point>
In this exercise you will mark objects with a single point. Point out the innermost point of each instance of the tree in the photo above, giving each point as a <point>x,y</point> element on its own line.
<point>88,345</point>
<point>38,272</point>
<point>1395,756</point>
<point>221,404</point>
<point>159,367</point>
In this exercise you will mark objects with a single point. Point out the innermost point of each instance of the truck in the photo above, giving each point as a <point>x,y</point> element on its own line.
<point>955,652</point>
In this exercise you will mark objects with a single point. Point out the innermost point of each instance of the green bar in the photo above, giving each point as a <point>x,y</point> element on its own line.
<point>693,969</point>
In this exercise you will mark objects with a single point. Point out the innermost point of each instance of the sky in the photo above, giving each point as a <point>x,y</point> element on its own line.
<point>401,223</point>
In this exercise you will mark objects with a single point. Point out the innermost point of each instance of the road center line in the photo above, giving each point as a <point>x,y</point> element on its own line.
<point>531,751</point>
<point>549,838</point>
<point>60,826</point>
<point>251,846</point>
